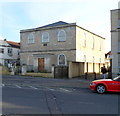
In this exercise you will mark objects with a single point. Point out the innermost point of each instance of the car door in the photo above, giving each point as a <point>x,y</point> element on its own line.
<point>113,85</point>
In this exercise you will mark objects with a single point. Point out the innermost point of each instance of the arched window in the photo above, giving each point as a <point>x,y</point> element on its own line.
<point>61,35</point>
<point>45,37</point>
<point>61,59</point>
<point>30,38</point>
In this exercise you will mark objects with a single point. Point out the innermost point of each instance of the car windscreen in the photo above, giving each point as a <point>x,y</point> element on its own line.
<point>116,78</point>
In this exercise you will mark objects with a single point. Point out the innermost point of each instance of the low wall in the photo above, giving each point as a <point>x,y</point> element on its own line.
<point>77,69</point>
<point>4,70</point>
<point>40,74</point>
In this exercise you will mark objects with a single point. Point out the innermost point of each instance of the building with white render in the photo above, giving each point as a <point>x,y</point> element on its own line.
<point>9,52</point>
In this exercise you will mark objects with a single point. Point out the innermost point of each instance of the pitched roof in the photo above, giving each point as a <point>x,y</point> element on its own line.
<point>54,24</point>
<point>13,44</point>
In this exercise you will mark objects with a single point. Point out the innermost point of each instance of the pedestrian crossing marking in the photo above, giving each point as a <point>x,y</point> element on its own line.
<point>18,86</point>
<point>33,87</point>
<point>36,87</point>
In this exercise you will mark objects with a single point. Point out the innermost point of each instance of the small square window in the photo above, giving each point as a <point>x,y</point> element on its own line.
<point>44,44</point>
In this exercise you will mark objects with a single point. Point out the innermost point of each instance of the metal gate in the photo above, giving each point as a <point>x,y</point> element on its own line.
<point>61,71</point>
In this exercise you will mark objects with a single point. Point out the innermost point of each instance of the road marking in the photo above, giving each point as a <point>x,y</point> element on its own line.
<point>33,87</point>
<point>18,86</point>
<point>65,90</point>
<point>50,89</point>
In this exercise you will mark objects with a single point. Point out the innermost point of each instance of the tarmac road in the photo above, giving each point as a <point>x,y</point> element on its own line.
<point>34,95</point>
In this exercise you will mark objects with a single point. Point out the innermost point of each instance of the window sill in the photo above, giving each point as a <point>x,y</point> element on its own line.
<point>45,42</point>
<point>30,43</point>
<point>61,41</point>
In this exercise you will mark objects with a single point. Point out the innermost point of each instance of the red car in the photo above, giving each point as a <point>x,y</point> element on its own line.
<point>103,85</point>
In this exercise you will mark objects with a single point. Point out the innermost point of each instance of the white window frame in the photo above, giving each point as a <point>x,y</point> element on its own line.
<point>58,59</point>
<point>100,60</point>
<point>84,39</point>
<point>84,58</point>
<point>118,23</point>
<point>45,37</point>
<point>2,50</point>
<point>59,39</point>
<point>93,59</point>
<point>10,51</point>
<point>100,44</point>
<point>93,42</point>
<point>31,38</point>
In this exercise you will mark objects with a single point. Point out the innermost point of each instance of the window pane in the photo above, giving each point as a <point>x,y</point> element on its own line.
<point>99,44</point>
<point>10,52</point>
<point>2,50</point>
<point>93,42</point>
<point>30,38</point>
<point>84,58</point>
<point>93,59</point>
<point>84,39</point>
<point>45,37</point>
<point>119,23</point>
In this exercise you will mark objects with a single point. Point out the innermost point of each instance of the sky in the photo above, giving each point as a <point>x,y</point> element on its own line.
<point>93,15</point>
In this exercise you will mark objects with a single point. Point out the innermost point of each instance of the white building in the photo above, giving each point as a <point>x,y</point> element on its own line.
<point>9,52</point>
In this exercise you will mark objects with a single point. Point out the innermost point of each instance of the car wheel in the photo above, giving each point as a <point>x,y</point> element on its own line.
<point>100,89</point>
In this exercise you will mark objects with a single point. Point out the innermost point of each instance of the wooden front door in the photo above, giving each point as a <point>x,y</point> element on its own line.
<point>41,64</point>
